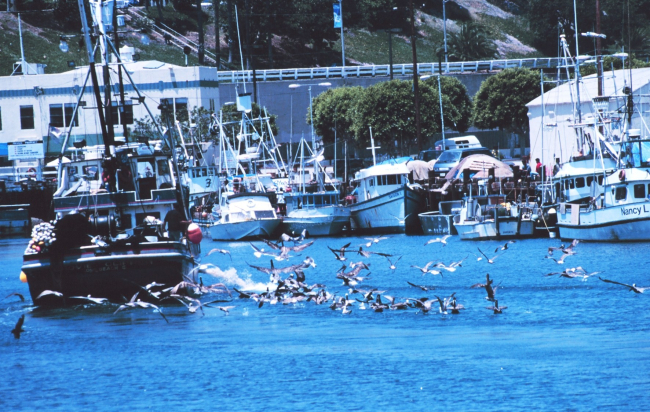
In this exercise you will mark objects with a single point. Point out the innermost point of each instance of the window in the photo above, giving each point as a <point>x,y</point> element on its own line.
<point>56,115</point>
<point>589,180</point>
<point>167,107</point>
<point>0,118</point>
<point>69,109</point>
<point>371,182</point>
<point>91,172</point>
<point>392,179</point>
<point>621,193</point>
<point>639,191</point>
<point>61,115</point>
<point>182,114</point>
<point>580,182</point>
<point>600,180</point>
<point>26,117</point>
<point>119,113</point>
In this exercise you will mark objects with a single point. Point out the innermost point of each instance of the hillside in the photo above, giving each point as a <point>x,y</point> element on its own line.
<point>41,32</point>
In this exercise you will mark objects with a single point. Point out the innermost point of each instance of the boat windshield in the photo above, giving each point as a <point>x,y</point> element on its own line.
<point>636,153</point>
<point>449,157</point>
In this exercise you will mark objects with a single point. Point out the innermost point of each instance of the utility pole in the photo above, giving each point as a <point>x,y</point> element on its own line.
<point>416,90</point>
<point>599,66</point>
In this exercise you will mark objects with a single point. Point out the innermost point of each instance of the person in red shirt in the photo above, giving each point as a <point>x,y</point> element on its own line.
<point>538,167</point>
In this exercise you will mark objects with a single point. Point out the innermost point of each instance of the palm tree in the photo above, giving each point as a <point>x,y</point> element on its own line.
<point>471,43</point>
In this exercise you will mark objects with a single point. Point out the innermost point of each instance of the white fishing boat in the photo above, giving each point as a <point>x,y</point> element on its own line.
<point>244,215</point>
<point>622,211</point>
<point>490,217</point>
<point>385,199</point>
<point>312,198</point>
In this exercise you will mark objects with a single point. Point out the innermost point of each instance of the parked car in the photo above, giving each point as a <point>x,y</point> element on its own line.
<point>450,158</point>
<point>430,154</point>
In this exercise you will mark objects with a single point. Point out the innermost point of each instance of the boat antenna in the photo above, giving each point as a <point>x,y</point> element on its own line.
<point>241,55</point>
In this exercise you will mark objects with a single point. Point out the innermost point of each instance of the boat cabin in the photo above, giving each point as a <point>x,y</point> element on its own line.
<point>380,180</point>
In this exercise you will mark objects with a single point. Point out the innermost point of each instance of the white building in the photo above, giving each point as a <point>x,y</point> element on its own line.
<point>557,138</point>
<point>30,104</point>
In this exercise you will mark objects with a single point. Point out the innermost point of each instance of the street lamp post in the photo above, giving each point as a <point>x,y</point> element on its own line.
<point>444,26</point>
<point>442,117</point>
<point>311,111</point>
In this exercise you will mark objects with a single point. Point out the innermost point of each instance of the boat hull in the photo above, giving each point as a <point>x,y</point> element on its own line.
<point>395,211</point>
<point>508,228</point>
<point>322,221</point>
<point>433,223</point>
<point>115,273</point>
<point>625,223</point>
<point>243,230</point>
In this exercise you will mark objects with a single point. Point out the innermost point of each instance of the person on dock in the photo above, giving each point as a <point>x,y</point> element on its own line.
<point>556,167</point>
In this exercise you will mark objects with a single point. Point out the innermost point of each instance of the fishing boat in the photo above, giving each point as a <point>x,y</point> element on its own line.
<point>244,215</point>
<point>491,217</point>
<point>385,200</point>
<point>312,198</point>
<point>108,240</point>
<point>622,211</point>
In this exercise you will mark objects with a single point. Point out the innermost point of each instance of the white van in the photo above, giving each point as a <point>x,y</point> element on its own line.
<point>461,142</point>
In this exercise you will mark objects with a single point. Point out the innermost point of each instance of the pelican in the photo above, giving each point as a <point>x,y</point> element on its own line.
<point>496,308</point>
<point>225,309</point>
<point>340,253</point>
<point>424,288</point>
<point>488,287</point>
<point>505,246</point>
<point>631,288</point>
<point>21,297</point>
<point>19,327</point>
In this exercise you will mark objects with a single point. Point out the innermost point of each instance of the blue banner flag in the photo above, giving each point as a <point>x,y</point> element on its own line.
<point>338,19</point>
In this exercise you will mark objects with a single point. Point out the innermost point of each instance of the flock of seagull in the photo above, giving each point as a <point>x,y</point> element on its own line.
<point>291,286</point>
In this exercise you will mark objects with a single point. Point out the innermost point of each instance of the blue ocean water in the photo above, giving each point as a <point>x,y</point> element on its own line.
<point>562,344</point>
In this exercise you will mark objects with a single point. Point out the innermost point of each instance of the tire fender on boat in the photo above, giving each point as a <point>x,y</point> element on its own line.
<point>250,203</point>
<point>621,175</point>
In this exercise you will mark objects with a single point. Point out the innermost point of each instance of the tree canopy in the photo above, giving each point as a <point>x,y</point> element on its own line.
<point>471,43</point>
<point>335,109</point>
<point>501,101</point>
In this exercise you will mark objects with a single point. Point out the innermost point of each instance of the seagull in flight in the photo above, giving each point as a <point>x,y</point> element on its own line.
<point>20,296</point>
<point>400,220</point>
<point>426,269</point>
<point>222,251</point>
<point>49,292</point>
<point>442,240</point>
<point>340,253</point>
<point>631,288</point>
<point>374,240</point>
<point>392,264</point>
<point>505,246</point>
<point>487,258</point>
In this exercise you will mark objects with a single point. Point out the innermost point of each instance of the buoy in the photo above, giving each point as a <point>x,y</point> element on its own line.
<point>194,233</point>
<point>23,277</point>
<point>31,172</point>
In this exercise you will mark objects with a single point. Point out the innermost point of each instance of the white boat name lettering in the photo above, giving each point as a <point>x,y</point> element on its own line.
<point>635,210</point>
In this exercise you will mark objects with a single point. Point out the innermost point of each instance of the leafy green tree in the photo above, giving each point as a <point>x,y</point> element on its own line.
<point>389,108</point>
<point>471,43</point>
<point>334,110</point>
<point>501,101</point>
<point>458,113</point>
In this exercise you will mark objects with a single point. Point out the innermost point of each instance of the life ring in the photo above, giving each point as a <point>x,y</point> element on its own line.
<point>621,175</point>
<point>31,172</point>
<point>250,203</point>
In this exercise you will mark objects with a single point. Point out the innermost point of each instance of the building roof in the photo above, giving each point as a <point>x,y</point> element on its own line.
<point>589,87</point>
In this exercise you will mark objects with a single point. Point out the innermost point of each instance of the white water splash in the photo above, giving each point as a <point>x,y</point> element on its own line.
<point>231,278</point>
